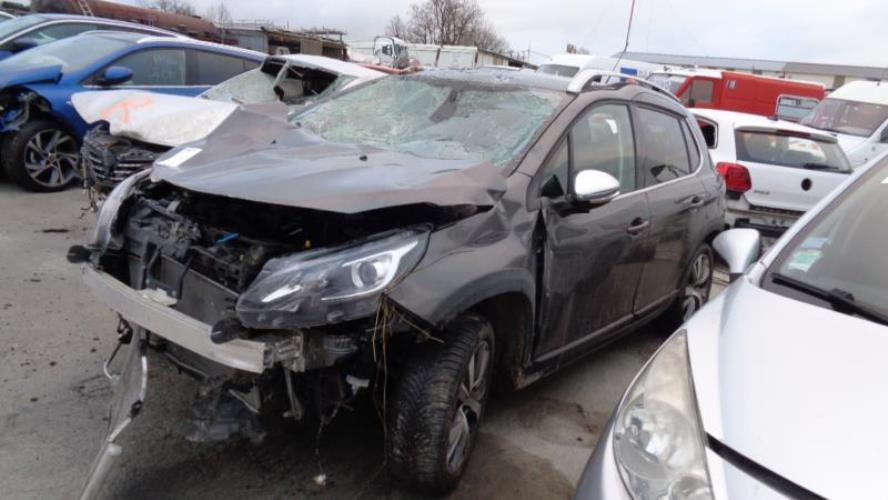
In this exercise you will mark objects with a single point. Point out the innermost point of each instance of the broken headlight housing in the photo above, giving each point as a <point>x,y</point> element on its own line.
<point>103,234</point>
<point>658,438</point>
<point>327,286</point>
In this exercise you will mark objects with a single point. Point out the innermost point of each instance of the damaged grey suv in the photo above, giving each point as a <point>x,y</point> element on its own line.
<point>423,239</point>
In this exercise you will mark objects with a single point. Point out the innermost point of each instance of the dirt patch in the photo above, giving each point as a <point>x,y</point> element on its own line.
<point>561,422</point>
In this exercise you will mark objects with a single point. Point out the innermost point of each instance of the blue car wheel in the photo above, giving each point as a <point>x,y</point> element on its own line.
<point>42,156</point>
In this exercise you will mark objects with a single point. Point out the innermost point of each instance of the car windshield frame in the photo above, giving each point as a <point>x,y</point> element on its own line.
<point>808,247</point>
<point>830,122</point>
<point>559,100</point>
<point>95,47</point>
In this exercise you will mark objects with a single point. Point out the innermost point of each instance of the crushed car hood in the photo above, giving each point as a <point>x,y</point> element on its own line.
<point>793,387</point>
<point>300,170</point>
<point>30,75</point>
<point>166,120</point>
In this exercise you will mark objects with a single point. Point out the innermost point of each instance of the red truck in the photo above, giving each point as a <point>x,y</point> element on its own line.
<point>742,92</point>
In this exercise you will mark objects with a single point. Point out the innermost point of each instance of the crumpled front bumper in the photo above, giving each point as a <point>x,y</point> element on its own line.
<point>138,308</point>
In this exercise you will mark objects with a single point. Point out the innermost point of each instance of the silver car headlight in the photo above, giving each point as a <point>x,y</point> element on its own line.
<point>658,439</point>
<point>102,234</point>
<point>327,286</point>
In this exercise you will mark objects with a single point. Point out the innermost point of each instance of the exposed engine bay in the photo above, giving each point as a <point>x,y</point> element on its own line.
<point>199,254</point>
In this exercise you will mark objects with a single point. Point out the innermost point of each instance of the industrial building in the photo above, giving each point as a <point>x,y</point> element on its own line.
<point>832,76</point>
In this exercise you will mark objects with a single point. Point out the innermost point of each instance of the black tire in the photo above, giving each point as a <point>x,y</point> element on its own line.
<point>430,401</point>
<point>694,292</point>
<point>59,156</point>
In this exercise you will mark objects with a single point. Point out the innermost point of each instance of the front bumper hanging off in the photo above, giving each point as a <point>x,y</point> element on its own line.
<point>138,308</point>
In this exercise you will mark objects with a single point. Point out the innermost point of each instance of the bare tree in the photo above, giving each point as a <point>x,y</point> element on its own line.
<point>448,22</point>
<point>219,15</point>
<point>396,27</point>
<point>172,6</point>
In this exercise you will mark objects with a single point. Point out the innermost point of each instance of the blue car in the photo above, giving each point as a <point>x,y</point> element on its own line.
<point>25,32</point>
<point>40,132</point>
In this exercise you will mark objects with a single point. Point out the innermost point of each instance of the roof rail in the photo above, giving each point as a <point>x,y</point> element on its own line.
<point>591,77</point>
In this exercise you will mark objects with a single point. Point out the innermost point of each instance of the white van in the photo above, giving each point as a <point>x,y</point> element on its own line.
<point>857,114</point>
<point>569,65</point>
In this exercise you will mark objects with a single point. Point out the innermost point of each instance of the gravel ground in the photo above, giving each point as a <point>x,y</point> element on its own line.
<point>53,400</point>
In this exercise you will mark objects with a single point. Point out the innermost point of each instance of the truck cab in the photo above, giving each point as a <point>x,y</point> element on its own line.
<point>741,92</point>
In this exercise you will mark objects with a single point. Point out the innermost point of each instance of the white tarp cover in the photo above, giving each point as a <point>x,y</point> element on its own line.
<point>162,119</point>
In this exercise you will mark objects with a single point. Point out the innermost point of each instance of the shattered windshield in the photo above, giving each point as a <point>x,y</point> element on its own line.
<point>435,119</point>
<point>251,86</point>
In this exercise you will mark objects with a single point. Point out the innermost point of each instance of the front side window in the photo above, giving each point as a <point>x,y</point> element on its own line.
<point>436,118</point>
<point>701,91</point>
<point>602,140</point>
<point>155,67</point>
<point>213,69</point>
<point>71,54</point>
<point>663,143</point>
<point>797,151</point>
<point>835,261</point>
<point>847,117</point>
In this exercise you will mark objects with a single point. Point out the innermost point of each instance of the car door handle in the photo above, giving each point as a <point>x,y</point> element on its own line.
<point>694,202</point>
<point>638,225</point>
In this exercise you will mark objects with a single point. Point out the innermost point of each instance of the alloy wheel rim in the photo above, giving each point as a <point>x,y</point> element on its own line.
<point>697,288</point>
<point>51,158</point>
<point>472,390</point>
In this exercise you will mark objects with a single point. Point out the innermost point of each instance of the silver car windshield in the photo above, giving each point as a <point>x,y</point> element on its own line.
<point>847,117</point>
<point>838,256</point>
<point>437,119</point>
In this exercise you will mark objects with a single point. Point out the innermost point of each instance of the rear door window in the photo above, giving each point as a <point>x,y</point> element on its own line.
<point>663,143</point>
<point>211,68</point>
<point>794,108</point>
<point>789,150</point>
<point>155,67</point>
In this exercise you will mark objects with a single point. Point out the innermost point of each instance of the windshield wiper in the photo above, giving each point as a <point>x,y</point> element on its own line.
<point>840,300</point>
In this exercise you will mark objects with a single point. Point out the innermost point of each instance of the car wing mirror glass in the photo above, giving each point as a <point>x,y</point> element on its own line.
<point>115,75</point>
<point>594,187</point>
<point>739,248</point>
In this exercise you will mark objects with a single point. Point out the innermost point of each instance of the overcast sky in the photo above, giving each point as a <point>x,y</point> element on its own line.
<point>841,32</point>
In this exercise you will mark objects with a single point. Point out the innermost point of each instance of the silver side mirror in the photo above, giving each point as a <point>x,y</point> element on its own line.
<point>594,187</point>
<point>739,248</point>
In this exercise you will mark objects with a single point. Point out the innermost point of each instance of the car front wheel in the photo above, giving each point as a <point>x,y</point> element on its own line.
<point>438,405</point>
<point>694,291</point>
<point>41,156</point>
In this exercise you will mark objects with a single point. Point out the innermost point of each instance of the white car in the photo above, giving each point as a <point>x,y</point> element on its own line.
<point>774,170</point>
<point>857,114</point>
<point>771,391</point>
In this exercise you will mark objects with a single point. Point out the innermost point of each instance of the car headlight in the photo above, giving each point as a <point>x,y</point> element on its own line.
<point>658,438</point>
<point>326,286</point>
<point>102,234</point>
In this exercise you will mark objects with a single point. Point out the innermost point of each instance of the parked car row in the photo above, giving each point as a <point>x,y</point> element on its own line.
<point>41,132</point>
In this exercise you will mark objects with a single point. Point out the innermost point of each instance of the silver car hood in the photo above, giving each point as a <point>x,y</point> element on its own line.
<point>795,388</point>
